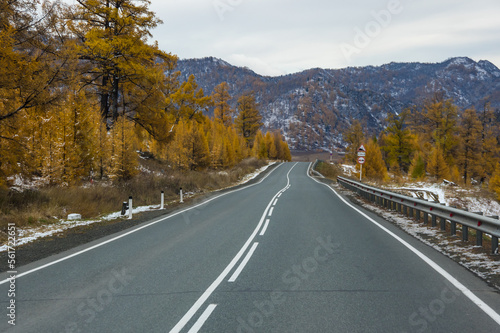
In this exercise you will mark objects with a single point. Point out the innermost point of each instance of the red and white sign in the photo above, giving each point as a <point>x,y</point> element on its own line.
<point>361,160</point>
<point>362,148</point>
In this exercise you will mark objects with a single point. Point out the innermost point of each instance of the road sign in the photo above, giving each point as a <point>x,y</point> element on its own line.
<point>361,153</point>
<point>362,148</point>
<point>361,160</point>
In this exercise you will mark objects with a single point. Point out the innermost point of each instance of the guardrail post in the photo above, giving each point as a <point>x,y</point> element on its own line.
<point>434,220</point>
<point>405,210</point>
<point>453,225</point>
<point>443,221</point>
<point>443,224</point>
<point>479,238</point>
<point>399,207</point>
<point>465,230</point>
<point>479,234</point>
<point>426,218</point>
<point>411,212</point>
<point>465,233</point>
<point>418,215</point>
<point>494,240</point>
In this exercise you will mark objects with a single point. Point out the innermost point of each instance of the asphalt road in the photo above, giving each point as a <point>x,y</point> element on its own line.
<point>285,255</point>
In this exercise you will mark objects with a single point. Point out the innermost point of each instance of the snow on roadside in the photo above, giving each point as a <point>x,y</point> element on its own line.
<point>254,174</point>
<point>29,235</point>
<point>456,196</point>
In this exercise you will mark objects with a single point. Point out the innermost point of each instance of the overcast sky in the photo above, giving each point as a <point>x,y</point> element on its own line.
<point>275,37</point>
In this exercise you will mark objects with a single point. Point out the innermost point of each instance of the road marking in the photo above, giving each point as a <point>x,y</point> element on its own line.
<point>137,229</point>
<point>469,294</point>
<point>242,265</point>
<point>203,318</point>
<point>275,202</point>
<point>265,228</point>
<point>199,303</point>
<point>271,212</point>
<point>280,194</point>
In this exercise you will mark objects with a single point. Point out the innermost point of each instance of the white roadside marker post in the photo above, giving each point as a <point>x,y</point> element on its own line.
<point>130,207</point>
<point>162,205</point>
<point>181,196</point>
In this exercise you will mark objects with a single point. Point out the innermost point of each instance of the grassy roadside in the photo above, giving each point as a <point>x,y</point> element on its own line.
<point>328,170</point>
<point>47,205</point>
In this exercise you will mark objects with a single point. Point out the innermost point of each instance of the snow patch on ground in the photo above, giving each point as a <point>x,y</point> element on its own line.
<point>254,174</point>
<point>349,169</point>
<point>468,198</point>
<point>29,235</point>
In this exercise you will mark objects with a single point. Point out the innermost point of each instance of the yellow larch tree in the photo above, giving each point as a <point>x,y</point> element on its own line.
<point>436,165</point>
<point>374,166</point>
<point>249,120</point>
<point>354,137</point>
<point>469,149</point>
<point>222,110</point>
<point>494,183</point>
<point>112,45</point>
<point>124,160</point>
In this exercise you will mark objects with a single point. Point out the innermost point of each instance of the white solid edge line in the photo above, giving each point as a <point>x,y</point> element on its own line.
<point>243,263</point>
<point>136,230</point>
<point>201,300</point>
<point>469,294</point>
<point>265,228</point>
<point>203,318</point>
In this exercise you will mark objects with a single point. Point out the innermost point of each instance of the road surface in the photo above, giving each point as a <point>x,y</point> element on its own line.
<point>284,255</point>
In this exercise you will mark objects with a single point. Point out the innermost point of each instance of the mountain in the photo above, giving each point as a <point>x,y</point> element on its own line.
<point>312,108</point>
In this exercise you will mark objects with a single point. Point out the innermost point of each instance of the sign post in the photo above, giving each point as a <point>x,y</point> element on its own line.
<point>361,160</point>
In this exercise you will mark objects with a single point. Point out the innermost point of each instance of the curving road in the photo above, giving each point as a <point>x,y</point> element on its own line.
<point>285,255</point>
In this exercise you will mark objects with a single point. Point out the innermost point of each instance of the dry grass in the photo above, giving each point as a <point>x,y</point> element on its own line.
<point>328,170</point>
<point>47,205</point>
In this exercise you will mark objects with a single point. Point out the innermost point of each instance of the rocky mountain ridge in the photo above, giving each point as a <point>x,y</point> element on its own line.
<point>312,108</point>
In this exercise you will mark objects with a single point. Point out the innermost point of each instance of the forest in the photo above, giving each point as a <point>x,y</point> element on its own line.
<point>84,94</point>
<point>436,141</point>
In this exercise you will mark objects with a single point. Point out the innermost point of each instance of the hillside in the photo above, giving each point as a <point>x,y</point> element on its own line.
<point>313,107</point>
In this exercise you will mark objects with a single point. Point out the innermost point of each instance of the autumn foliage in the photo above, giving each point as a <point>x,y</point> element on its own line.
<point>83,92</point>
<point>436,141</point>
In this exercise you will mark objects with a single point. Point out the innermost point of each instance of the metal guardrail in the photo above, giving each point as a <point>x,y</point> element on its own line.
<point>420,209</point>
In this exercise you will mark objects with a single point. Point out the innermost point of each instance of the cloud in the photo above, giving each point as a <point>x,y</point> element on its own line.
<point>255,64</point>
<point>285,36</point>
